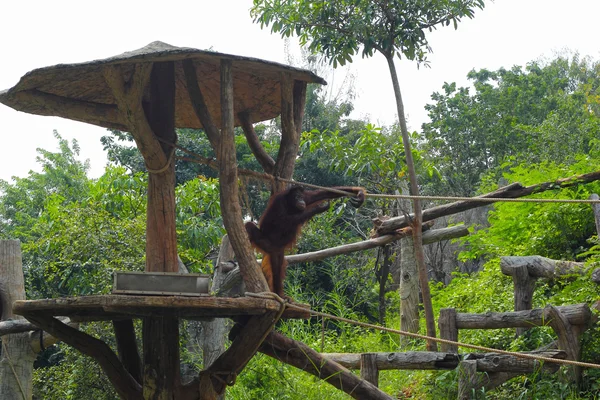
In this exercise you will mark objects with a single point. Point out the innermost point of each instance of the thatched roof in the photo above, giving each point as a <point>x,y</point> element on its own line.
<point>66,90</point>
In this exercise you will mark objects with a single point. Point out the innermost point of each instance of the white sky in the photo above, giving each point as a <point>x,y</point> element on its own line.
<point>36,33</point>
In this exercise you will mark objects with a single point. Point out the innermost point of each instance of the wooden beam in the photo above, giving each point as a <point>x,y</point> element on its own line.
<point>263,158</point>
<point>578,314</point>
<point>50,104</point>
<point>128,97</point>
<point>228,180</point>
<point>429,360</point>
<point>303,357</point>
<point>161,335</point>
<point>429,236</point>
<point>299,97</point>
<point>199,105</point>
<point>541,267</point>
<point>21,325</point>
<point>511,191</point>
<point>127,347</point>
<point>224,370</point>
<point>125,385</point>
<point>290,138</point>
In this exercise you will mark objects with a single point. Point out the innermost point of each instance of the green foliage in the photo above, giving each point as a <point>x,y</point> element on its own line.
<point>199,223</point>
<point>339,30</point>
<point>543,112</point>
<point>554,230</point>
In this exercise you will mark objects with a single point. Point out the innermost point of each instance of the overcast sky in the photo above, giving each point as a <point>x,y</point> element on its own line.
<point>36,34</point>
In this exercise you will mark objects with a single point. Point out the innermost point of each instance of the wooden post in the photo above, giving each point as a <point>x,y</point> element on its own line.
<point>368,368</point>
<point>524,287</point>
<point>409,288</point>
<point>568,337</point>
<point>214,331</point>
<point>448,329</point>
<point>596,208</point>
<point>467,379</point>
<point>16,363</point>
<point>161,335</point>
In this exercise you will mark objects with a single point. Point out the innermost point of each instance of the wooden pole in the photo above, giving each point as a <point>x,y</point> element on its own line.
<point>448,329</point>
<point>596,208</point>
<point>161,335</point>
<point>16,363</point>
<point>368,368</point>
<point>467,380</point>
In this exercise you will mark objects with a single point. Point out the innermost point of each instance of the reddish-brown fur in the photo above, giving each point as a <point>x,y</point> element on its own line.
<point>281,223</point>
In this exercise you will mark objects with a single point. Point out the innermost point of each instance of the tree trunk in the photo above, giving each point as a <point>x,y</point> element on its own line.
<point>16,364</point>
<point>418,219</point>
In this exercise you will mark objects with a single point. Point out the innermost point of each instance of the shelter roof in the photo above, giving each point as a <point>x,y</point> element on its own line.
<point>66,90</point>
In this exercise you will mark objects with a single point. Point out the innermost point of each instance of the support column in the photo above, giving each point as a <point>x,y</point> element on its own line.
<point>161,334</point>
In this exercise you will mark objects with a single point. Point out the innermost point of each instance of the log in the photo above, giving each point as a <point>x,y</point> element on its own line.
<point>511,191</point>
<point>21,325</point>
<point>303,357</point>
<point>541,267</point>
<point>578,314</point>
<point>494,362</point>
<point>409,360</point>
<point>429,236</point>
<point>428,360</point>
<point>568,337</point>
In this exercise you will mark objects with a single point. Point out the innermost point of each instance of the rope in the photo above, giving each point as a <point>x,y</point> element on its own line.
<point>12,367</point>
<point>169,158</point>
<point>199,159</point>
<point>446,341</point>
<point>482,199</point>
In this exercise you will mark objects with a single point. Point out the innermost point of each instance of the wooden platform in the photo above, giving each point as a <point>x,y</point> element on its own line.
<point>111,307</point>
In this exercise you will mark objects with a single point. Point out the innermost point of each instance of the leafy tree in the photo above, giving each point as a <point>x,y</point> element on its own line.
<point>22,202</point>
<point>543,112</point>
<point>392,28</point>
